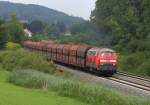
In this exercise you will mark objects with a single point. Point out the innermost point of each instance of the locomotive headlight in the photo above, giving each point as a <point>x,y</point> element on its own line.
<point>112,60</point>
<point>103,60</point>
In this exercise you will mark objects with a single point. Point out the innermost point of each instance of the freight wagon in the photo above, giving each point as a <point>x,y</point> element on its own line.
<point>99,60</point>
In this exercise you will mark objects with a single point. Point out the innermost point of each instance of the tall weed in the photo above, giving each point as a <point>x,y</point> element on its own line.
<point>89,93</point>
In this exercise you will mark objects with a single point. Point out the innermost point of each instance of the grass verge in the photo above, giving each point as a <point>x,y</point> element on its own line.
<point>14,95</point>
<point>89,93</point>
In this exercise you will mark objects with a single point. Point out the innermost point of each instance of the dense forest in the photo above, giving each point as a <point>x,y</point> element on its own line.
<point>127,21</point>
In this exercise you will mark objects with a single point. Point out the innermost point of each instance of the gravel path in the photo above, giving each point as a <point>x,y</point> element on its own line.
<point>86,77</point>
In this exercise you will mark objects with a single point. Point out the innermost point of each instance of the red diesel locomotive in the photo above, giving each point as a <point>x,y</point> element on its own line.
<point>99,60</point>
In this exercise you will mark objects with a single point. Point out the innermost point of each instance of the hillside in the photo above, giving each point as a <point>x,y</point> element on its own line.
<point>32,12</point>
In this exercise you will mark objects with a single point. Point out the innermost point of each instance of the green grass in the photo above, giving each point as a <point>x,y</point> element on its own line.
<point>89,93</point>
<point>13,95</point>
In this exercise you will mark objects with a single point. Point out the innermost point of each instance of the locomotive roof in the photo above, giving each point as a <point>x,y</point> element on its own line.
<point>107,49</point>
<point>102,49</point>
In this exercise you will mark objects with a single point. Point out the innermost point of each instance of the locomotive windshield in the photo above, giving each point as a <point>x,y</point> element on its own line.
<point>104,54</point>
<point>107,52</point>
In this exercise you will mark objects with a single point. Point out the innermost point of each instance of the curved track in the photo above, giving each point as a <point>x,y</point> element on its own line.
<point>134,76</point>
<point>126,79</point>
<point>132,80</point>
<point>133,84</point>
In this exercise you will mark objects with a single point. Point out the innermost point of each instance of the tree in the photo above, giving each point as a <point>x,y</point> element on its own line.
<point>85,27</point>
<point>11,31</point>
<point>124,20</point>
<point>61,26</point>
<point>3,36</point>
<point>14,30</point>
<point>37,27</point>
<point>52,30</point>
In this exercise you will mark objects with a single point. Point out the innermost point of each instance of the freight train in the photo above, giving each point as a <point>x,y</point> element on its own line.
<point>98,60</point>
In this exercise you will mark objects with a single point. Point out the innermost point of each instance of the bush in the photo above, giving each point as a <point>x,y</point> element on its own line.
<point>92,94</point>
<point>144,69</point>
<point>21,59</point>
<point>12,46</point>
<point>132,62</point>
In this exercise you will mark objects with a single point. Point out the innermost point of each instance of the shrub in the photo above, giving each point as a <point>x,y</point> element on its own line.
<point>144,68</point>
<point>130,63</point>
<point>21,59</point>
<point>92,94</point>
<point>12,46</point>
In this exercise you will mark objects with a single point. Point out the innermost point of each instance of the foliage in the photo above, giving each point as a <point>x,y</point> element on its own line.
<point>36,26</point>
<point>85,27</point>
<point>52,30</point>
<point>126,20</point>
<point>29,78</point>
<point>39,27</point>
<point>11,31</point>
<point>84,39</point>
<point>3,36</point>
<point>38,37</point>
<point>21,59</point>
<point>92,94</point>
<point>135,63</point>
<point>12,46</point>
<point>14,30</point>
<point>14,95</point>
<point>144,68</point>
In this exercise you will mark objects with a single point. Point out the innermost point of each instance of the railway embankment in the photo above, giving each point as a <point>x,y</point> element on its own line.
<point>123,84</point>
<point>93,93</point>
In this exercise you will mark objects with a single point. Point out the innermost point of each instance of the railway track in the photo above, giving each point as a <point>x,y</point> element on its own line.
<point>134,76</point>
<point>133,84</point>
<point>132,80</point>
<point>129,80</point>
<point>130,86</point>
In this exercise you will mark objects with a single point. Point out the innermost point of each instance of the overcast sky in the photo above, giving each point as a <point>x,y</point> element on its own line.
<point>80,8</point>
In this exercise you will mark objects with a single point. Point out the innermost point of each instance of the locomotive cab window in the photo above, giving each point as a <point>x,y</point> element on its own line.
<point>92,53</point>
<point>104,54</point>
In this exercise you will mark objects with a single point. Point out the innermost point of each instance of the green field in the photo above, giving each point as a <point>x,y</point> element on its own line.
<point>13,95</point>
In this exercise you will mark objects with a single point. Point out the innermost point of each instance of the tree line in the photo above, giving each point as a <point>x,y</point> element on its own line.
<point>40,27</point>
<point>11,31</point>
<point>126,21</point>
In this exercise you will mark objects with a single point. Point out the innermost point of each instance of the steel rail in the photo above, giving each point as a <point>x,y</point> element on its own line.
<point>147,79</point>
<point>130,83</point>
